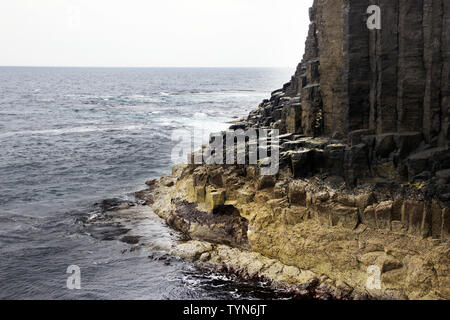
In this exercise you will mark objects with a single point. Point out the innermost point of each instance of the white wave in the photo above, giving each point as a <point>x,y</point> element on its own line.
<point>73,130</point>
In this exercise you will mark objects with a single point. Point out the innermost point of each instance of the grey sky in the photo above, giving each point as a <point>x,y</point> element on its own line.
<point>191,33</point>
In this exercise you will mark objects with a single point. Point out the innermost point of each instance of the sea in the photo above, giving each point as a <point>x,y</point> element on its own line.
<point>71,138</point>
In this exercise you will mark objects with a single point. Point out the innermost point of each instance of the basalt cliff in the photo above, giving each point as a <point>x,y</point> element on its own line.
<point>360,207</point>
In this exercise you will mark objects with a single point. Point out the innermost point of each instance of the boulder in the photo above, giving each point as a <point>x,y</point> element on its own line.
<point>215,198</point>
<point>297,193</point>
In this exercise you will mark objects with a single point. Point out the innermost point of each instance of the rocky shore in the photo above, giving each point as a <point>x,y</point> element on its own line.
<point>314,235</point>
<point>364,175</point>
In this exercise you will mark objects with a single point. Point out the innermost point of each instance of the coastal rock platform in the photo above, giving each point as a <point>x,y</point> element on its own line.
<point>360,206</point>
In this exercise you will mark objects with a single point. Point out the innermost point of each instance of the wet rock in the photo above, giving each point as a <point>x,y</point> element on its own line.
<point>238,126</point>
<point>106,231</point>
<point>131,239</point>
<point>145,196</point>
<point>225,226</point>
<point>192,250</point>
<point>115,204</point>
<point>151,182</point>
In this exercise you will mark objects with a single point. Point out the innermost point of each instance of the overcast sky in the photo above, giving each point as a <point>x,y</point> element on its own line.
<point>173,33</point>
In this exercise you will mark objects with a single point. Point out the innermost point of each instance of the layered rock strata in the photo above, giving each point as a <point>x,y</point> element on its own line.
<point>317,225</point>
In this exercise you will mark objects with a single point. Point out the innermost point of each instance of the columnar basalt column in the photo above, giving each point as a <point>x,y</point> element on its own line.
<point>386,68</point>
<point>411,70</point>
<point>356,68</point>
<point>445,74</point>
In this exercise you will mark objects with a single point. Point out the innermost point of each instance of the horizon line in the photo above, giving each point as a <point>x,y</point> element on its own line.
<point>152,67</point>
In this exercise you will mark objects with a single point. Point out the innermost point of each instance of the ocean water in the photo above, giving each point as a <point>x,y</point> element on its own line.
<point>72,137</point>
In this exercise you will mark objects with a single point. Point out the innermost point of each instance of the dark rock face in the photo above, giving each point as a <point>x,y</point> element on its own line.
<point>351,78</point>
<point>378,98</point>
